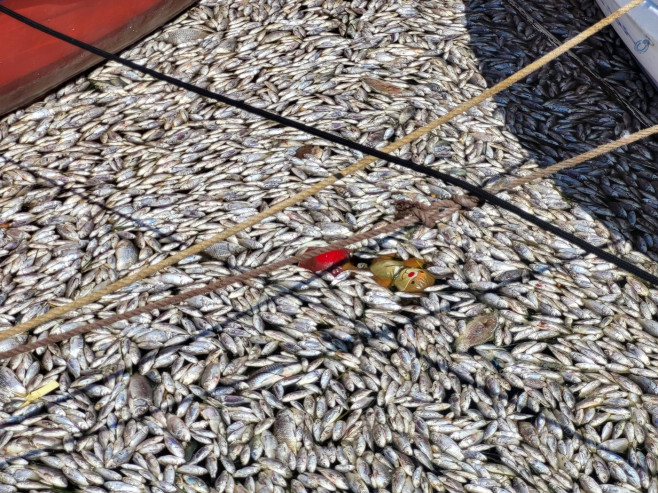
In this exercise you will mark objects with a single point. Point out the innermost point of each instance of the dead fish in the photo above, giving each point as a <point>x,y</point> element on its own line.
<point>126,254</point>
<point>9,384</point>
<point>140,392</point>
<point>284,430</point>
<point>180,36</point>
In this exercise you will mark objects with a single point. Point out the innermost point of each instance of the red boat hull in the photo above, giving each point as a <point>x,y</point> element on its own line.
<point>33,63</point>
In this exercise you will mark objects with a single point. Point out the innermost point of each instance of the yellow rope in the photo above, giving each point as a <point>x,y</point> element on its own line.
<point>295,199</point>
<point>510,183</point>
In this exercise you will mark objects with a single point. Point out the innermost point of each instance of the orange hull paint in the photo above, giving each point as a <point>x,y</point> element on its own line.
<point>33,63</point>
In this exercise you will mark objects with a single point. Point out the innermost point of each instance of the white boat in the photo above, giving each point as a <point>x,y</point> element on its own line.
<point>639,31</point>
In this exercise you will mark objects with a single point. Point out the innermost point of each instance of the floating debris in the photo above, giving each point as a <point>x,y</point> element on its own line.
<point>382,86</point>
<point>478,331</point>
<point>402,275</point>
<point>308,150</point>
<point>40,392</point>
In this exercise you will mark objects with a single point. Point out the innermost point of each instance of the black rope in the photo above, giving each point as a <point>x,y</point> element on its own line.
<point>473,189</point>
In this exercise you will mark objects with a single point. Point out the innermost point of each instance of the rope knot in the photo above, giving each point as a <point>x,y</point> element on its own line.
<point>426,213</point>
<point>404,208</point>
<point>466,201</point>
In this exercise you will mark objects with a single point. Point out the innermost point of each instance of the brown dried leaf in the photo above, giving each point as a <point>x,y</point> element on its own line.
<point>381,86</point>
<point>477,331</point>
<point>307,150</point>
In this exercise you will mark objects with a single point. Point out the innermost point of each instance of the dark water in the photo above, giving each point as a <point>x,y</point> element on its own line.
<point>574,104</point>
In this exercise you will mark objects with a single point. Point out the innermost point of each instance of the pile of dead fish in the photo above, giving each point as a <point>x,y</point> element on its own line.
<point>526,367</point>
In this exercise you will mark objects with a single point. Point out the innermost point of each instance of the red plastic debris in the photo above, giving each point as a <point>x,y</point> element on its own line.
<point>331,261</point>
